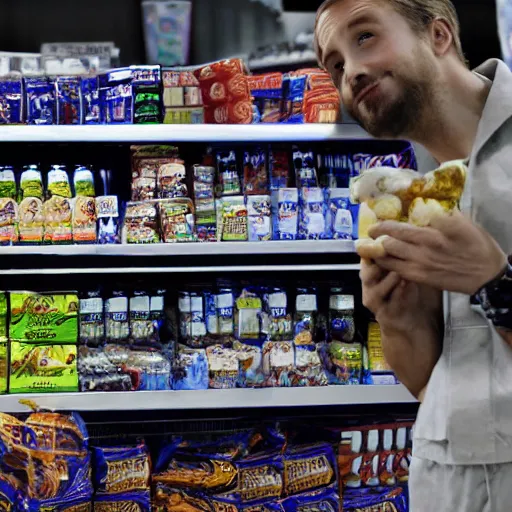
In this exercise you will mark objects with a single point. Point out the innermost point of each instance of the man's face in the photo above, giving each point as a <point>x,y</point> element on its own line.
<point>384,70</point>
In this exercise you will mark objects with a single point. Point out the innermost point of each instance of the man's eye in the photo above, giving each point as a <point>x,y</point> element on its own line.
<point>363,37</point>
<point>339,67</point>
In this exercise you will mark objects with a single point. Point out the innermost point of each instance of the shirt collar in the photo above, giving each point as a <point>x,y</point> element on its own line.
<point>498,107</point>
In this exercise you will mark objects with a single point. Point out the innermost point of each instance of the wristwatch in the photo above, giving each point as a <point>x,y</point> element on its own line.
<point>496,298</point>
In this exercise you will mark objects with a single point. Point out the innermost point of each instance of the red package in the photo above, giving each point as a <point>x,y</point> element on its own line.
<point>225,91</point>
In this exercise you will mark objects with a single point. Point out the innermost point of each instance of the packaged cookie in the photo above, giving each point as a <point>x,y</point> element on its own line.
<point>223,367</point>
<point>232,219</point>
<point>84,220</point>
<point>38,368</point>
<point>58,221</point>
<point>259,210</point>
<point>278,363</point>
<point>191,370</point>
<point>285,205</point>
<point>12,100</point>
<point>121,469</point>
<point>140,223</point>
<point>43,318</point>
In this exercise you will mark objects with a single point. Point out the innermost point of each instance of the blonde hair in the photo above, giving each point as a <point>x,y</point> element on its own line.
<point>419,13</point>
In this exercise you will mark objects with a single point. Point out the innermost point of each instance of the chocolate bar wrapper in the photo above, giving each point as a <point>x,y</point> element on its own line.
<point>11,100</point>
<point>167,498</point>
<point>191,371</point>
<point>43,368</point>
<point>309,468</point>
<point>223,366</point>
<point>90,100</point>
<point>39,318</point>
<point>68,100</point>
<point>133,501</point>
<point>40,93</point>
<point>368,500</point>
<point>223,503</point>
<point>326,500</point>
<point>121,469</point>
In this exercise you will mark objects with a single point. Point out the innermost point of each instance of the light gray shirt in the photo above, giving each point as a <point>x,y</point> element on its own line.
<point>466,415</point>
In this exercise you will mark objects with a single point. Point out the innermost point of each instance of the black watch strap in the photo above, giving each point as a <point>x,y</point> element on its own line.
<point>496,299</point>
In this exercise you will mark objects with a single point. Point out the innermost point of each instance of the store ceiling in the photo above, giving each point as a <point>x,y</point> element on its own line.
<point>477,17</point>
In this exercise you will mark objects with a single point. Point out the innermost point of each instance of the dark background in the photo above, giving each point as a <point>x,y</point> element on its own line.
<point>221,28</point>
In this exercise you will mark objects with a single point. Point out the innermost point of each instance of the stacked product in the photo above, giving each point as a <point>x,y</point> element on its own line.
<point>48,466</point>
<point>239,473</point>
<point>182,99</point>
<point>373,464</point>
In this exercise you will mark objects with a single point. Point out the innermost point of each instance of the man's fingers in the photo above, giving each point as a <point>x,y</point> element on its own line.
<point>399,249</point>
<point>370,273</point>
<point>404,232</point>
<point>407,270</point>
<point>375,295</point>
<point>451,224</point>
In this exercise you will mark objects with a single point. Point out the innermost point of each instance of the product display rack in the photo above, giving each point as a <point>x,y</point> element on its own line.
<point>96,261</point>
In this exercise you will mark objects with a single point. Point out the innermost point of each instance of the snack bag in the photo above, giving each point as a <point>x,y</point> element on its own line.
<point>68,100</point>
<point>11,99</point>
<point>58,220</point>
<point>232,219</point>
<point>404,195</point>
<point>84,220</point>
<point>9,218</point>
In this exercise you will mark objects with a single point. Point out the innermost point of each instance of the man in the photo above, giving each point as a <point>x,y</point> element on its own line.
<point>402,74</point>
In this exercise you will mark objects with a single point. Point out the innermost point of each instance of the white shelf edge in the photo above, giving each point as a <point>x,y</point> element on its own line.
<point>211,399</point>
<point>187,249</point>
<point>178,270</point>
<point>183,133</point>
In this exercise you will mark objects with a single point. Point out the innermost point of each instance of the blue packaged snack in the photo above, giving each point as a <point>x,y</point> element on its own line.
<point>223,365</point>
<point>293,94</point>
<point>109,220</point>
<point>69,105</point>
<point>339,216</point>
<point>228,503</point>
<point>11,100</point>
<point>309,468</point>
<point>121,469</point>
<point>167,498</point>
<point>228,174</point>
<point>13,495</point>
<point>380,498</point>
<point>62,505</point>
<point>90,100</point>
<point>116,99</point>
<point>132,501</point>
<point>147,100</point>
<point>285,206</point>
<point>250,365</point>
<point>259,212</point>
<point>325,500</point>
<point>313,215</point>
<point>191,370</point>
<point>40,93</point>
<point>306,175</point>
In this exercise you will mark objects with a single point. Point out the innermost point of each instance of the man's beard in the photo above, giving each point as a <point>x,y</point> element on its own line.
<point>398,118</point>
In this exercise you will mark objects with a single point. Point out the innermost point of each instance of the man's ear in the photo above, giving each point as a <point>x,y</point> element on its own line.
<point>441,36</point>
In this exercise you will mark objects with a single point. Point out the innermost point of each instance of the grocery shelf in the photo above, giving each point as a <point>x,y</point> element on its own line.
<point>187,249</point>
<point>211,399</point>
<point>183,133</point>
<point>179,270</point>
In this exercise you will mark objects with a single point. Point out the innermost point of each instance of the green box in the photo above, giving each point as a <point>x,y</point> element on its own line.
<point>4,364</point>
<point>43,368</point>
<point>44,318</point>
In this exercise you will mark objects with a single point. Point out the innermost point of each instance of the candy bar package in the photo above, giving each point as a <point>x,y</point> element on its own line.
<point>394,499</point>
<point>339,216</point>
<point>107,212</point>
<point>326,500</point>
<point>84,220</point>
<point>116,98</point>
<point>146,94</point>
<point>58,220</point>
<point>42,368</point>
<point>229,177</point>
<point>123,469</point>
<point>267,93</point>
<point>309,468</point>
<point>9,219</point>
<point>223,366</point>
<point>259,210</point>
<point>177,220</point>
<point>92,319</point>
<point>117,324</point>
<point>279,169</point>
<point>11,99</point>
<point>83,182</point>
<point>255,173</point>
<point>89,87</point>
<point>232,219</point>
<point>40,93</point>
<point>43,318</point>
<point>293,99</point>
<point>278,363</point>
<point>313,213</point>
<point>69,103</point>
<point>132,501</point>
<point>225,91</point>
<point>141,223</point>
<point>285,204</point>
<point>191,370</point>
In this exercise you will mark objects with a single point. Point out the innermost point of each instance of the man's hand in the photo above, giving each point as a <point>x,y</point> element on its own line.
<point>453,254</point>
<point>410,317</point>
